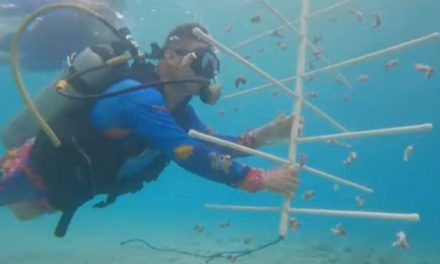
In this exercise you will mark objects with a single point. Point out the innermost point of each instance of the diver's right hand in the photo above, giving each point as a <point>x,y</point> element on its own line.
<point>283,180</point>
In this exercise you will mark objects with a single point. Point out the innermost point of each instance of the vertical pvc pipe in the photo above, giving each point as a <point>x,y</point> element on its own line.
<point>300,69</point>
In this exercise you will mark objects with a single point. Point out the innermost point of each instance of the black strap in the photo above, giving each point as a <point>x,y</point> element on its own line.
<point>156,52</point>
<point>111,198</point>
<point>63,223</point>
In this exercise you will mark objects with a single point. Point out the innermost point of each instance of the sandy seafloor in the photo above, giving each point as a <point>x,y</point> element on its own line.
<point>93,242</point>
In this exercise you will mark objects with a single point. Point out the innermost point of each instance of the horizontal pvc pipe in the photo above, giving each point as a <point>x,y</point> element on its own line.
<point>370,133</point>
<point>372,55</point>
<point>323,212</point>
<point>261,154</point>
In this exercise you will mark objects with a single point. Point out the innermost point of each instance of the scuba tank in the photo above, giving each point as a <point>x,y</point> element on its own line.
<point>89,72</point>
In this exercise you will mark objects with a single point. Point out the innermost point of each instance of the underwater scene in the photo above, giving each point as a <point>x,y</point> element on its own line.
<point>233,131</point>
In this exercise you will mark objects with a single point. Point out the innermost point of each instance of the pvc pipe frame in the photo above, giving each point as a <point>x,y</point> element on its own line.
<point>199,33</point>
<point>285,208</point>
<point>344,64</point>
<point>413,217</point>
<point>250,151</point>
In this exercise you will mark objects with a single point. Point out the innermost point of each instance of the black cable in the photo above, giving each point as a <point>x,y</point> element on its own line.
<point>145,243</point>
<point>229,255</point>
<point>130,89</point>
<point>279,239</point>
<point>79,74</point>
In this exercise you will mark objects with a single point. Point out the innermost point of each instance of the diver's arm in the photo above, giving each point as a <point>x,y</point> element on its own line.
<point>191,120</point>
<point>149,118</point>
<point>143,113</point>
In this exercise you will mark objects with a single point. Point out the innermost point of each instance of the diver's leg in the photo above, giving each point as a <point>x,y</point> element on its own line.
<point>16,188</point>
<point>18,182</point>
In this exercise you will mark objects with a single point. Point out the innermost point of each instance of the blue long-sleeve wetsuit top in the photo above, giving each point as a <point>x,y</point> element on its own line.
<point>141,117</point>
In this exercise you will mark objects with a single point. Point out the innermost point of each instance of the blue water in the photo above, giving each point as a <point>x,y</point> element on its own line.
<point>165,212</point>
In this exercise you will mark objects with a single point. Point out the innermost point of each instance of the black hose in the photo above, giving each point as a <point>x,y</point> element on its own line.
<point>130,89</point>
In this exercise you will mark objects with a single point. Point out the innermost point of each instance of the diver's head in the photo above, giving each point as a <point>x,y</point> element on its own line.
<point>184,56</point>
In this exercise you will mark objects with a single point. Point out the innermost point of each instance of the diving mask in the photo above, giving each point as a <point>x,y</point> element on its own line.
<point>205,64</point>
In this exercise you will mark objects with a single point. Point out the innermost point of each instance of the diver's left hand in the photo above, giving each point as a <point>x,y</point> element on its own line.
<point>276,131</point>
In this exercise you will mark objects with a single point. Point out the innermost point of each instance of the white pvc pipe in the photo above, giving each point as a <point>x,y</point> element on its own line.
<point>297,105</point>
<point>256,89</point>
<point>256,38</point>
<point>408,44</point>
<point>269,32</point>
<point>261,154</point>
<point>324,116</point>
<point>370,133</point>
<point>375,54</point>
<point>328,9</point>
<point>323,212</point>
<point>335,179</point>
<point>199,33</point>
<point>237,147</point>
<point>286,22</point>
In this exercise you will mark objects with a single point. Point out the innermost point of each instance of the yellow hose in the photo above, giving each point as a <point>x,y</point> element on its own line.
<point>15,62</point>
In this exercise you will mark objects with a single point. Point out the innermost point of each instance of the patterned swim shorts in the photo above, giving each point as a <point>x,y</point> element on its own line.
<point>20,188</point>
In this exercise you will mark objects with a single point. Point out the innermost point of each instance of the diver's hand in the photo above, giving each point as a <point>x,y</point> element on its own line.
<point>283,180</point>
<point>275,131</point>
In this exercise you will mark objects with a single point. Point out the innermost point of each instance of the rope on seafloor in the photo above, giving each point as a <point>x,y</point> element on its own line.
<point>232,256</point>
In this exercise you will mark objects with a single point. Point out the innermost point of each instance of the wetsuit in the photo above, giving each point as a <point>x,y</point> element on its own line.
<point>140,119</point>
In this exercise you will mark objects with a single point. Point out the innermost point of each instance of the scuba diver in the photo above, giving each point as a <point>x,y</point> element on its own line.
<point>116,143</point>
<point>57,34</point>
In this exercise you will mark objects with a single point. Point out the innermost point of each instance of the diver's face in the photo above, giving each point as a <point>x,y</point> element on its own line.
<point>180,65</point>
